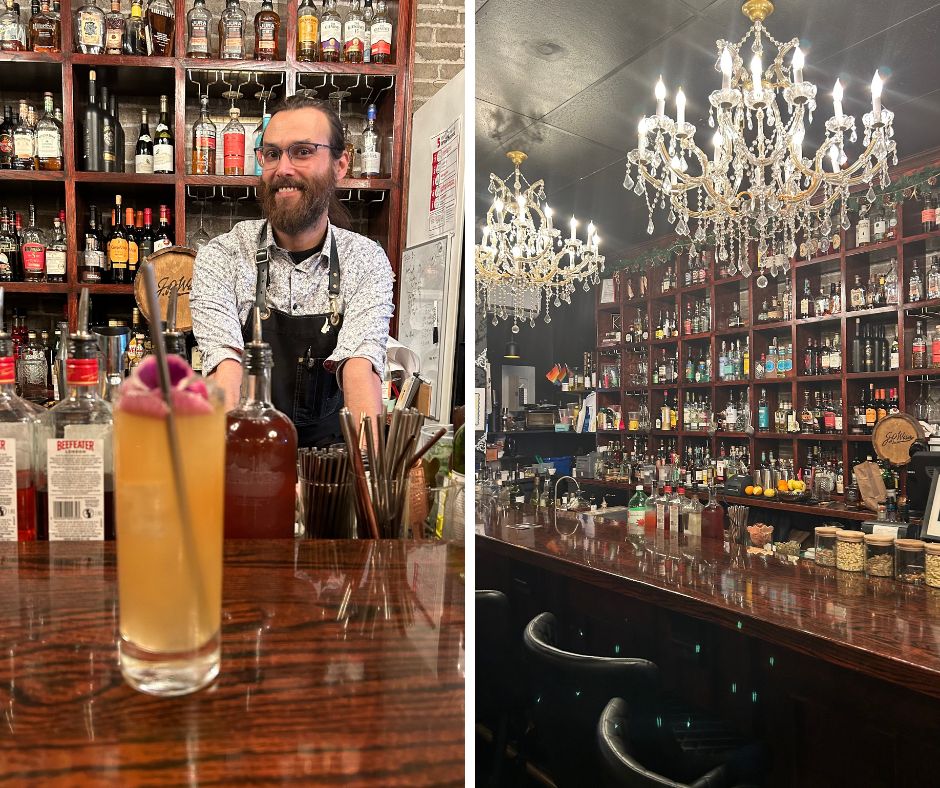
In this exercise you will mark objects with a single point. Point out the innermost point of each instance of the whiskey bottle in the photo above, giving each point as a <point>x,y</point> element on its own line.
<point>118,246</point>
<point>56,251</point>
<point>143,152</point>
<point>91,270</point>
<point>331,33</point>
<point>198,21</point>
<point>204,135</point>
<point>49,138</point>
<point>92,160</point>
<point>806,302</point>
<point>863,230</point>
<point>915,285</point>
<point>114,29</point>
<point>919,348</point>
<point>163,142</point>
<point>12,30</point>
<point>308,32</point>
<point>161,22</point>
<point>232,32</point>
<point>380,35</point>
<point>354,31</point>
<point>233,145</point>
<point>33,250</point>
<point>368,14</point>
<point>879,226</point>
<point>89,29</point>
<point>267,33</point>
<point>45,32</point>
<point>24,142</point>
<point>928,216</point>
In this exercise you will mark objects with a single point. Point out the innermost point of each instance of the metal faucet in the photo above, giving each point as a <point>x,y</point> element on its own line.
<point>559,481</point>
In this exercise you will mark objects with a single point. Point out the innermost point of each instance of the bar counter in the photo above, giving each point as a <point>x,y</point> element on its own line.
<point>342,663</point>
<point>881,628</point>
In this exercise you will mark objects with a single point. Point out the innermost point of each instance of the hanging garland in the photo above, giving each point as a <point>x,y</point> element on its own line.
<point>908,187</point>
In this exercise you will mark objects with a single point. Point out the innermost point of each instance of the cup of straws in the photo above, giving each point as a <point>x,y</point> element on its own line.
<point>737,522</point>
<point>325,493</point>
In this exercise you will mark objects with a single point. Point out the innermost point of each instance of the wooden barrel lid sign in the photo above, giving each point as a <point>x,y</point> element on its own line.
<point>172,265</point>
<point>893,437</point>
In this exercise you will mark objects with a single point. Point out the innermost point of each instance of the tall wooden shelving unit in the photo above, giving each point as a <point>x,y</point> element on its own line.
<point>837,266</point>
<point>378,204</point>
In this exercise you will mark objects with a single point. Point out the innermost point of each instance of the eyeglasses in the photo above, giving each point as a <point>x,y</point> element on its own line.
<point>299,153</point>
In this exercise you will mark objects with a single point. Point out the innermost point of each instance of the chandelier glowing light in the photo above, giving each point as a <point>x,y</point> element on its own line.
<point>523,258</point>
<point>758,185</point>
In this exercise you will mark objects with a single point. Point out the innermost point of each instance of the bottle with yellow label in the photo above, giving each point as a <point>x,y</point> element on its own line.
<point>118,246</point>
<point>308,32</point>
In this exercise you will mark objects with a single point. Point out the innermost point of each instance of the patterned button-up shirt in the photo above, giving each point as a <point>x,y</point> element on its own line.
<point>223,293</point>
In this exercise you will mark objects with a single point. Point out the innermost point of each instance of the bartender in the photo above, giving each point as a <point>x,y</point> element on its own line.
<point>328,298</point>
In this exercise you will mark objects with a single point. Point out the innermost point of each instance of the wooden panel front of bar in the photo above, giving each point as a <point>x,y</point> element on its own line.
<point>838,674</point>
<point>342,664</point>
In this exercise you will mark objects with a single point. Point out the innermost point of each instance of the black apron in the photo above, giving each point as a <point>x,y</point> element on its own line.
<point>300,387</point>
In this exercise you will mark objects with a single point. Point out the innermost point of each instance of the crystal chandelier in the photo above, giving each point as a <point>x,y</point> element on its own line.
<point>523,259</point>
<point>758,185</point>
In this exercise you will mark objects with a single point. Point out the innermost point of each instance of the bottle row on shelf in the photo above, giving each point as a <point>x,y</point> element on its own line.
<point>363,34</point>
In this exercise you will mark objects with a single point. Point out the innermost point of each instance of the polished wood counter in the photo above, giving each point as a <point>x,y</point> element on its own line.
<point>342,664</point>
<point>881,628</point>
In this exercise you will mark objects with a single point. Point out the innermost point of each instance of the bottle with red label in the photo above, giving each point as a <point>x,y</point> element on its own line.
<point>204,133</point>
<point>19,423</point>
<point>928,216</point>
<point>76,492</point>
<point>233,145</point>
<point>33,250</point>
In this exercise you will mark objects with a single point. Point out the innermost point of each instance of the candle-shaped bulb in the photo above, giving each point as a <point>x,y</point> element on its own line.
<point>718,141</point>
<point>574,226</point>
<point>727,66</point>
<point>834,157</point>
<point>660,94</point>
<point>757,70</point>
<point>798,137</point>
<point>798,63</point>
<point>837,98</point>
<point>498,205</point>
<point>876,85</point>
<point>548,211</point>
<point>641,134</point>
<point>680,107</point>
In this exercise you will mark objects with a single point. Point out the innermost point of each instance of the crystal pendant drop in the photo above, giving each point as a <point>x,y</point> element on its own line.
<point>548,318</point>
<point>846,224</point>
<point>762,281</point>
<point>638,189</point>
<point>650,228</point>
<point>532,322</point>
<point>515,328</point>
<point>870,194</point>
<point>557,301</point>
<point>672,216</point>
<point>628,181</point>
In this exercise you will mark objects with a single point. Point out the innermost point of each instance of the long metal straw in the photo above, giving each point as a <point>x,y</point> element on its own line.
<point>176,461</point>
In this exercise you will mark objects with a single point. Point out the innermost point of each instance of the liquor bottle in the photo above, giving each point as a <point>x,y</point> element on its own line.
<point>879,226</point>
<point>308,31</point>
<point>6,139</point>
<point>12,30</point>
<point>380,33</point>
<point>56,251</point>
<point>260,453</point>
<point>863,230</point>
<point>145,237</point>
<point>371,157</point>
<point>259,133</point>
<point>763,412</point>
<point>118,246</point>
<point>108,143</point>
<point>915,285</point>
<point>91,270</point>
<point>204,134</point>
<point>163,237</point>
<point>133,250</point>
<point>135,37</point>
<point>933,279</point>
<point>928,216</point>
<point>31,370</point>
<point>233,145</point>
<point>806,302</point>
<point>45,31</point>
<point>136,344</point>
<point>49,138</point>
<point>115,28</point>
<point>24,142</point>
<point>354,31</point>
<point>331,33</point>
<point>92,160</point>
<point>19,423</point>
<point>78,437</point>
<point>161,22</point>
<point>9,249</point>
<point>267,33</point>
<point>232,32</point>
<point>198,21</point>
<point>143,152</point>
<point>919,348</point>
<point>89,29</point>
<point>857,294</point>
<point>115,114</point>
<point>368,14</point>
<point>163,142</point>
<point>33,250</point>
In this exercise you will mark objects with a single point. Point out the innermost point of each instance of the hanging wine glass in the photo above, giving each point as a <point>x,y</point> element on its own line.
<point>336,99</point>
<point>200,238</point>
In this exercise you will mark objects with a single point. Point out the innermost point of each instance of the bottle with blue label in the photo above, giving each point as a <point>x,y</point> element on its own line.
<point>259,134</point>
<point>371,156</point>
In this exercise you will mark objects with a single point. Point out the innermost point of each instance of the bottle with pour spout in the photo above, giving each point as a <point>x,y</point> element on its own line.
<point>260,451</point>
<point>19,422</point>
<point>77,492</point>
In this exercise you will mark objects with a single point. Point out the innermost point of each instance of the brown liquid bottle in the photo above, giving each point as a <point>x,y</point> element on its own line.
<point>260,454</point>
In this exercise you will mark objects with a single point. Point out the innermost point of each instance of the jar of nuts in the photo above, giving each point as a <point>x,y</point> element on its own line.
<point>932,563</point>
<point>909,561</point>
<point>879,555</point>
<point>850,550</point>
<point>826,545</point>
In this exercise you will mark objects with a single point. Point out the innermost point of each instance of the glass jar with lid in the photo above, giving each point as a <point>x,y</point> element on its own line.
<point>909,561</point>
<point>879,555</point>
<point>932,564</point>
<point>850,550</point>
<point>826,545</point>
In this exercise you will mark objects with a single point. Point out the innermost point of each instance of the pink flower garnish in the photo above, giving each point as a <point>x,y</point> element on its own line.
<point>141,393</point>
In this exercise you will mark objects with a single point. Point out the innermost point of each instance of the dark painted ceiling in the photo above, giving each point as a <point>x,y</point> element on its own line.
<point>567,83</point>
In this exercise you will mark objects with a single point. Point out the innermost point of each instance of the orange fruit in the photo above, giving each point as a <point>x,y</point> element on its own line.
<point>749,490</point>
<point>782,485</point>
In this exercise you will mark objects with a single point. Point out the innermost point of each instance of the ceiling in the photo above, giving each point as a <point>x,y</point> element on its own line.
<point>567,83</point>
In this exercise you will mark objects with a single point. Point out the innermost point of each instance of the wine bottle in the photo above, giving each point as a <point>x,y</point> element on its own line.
<point>163,142</point>
<point>143,153</point>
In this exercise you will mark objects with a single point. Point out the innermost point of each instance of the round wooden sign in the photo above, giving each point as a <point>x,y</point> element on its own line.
<point>172,265</point>
<point>893,437</point>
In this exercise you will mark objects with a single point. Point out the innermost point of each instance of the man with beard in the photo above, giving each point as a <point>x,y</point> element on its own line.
<point>327,291</point>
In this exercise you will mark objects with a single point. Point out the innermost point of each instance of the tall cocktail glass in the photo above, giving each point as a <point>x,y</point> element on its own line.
<point>169,579</point>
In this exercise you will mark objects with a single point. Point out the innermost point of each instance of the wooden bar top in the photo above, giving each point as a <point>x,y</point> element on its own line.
<point>883,628</point>
<point>342,664</point>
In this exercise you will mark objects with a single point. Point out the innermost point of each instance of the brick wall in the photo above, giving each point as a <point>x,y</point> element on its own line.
<point>439,47</point>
